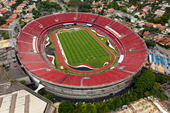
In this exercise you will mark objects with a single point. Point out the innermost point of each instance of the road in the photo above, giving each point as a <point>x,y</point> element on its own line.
<point>62,6</point>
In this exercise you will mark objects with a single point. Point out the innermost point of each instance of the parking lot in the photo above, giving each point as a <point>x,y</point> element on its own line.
<point>14,71</point>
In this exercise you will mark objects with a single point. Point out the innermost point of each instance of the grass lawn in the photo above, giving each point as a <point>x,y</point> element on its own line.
<point>81,47</point>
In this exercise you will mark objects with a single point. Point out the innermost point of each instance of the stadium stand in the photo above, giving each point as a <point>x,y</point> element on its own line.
<point>73,80</point>
<point>36,26</point>
<point>66,17</point>
<point>120,28</point>
<point>132,41</point>
<point>28,57</point>
<point>24,47</point>
<point>38,66</point>
<point>25,37</point>
<point>31,31</point>
<point>133,60</point>
<point>48,21</point>
<point>102,21</point>
<point>52,75</point>
<point>34,65</point>
<point>84,17</point>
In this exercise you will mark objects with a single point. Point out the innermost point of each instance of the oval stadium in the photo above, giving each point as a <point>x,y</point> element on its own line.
<point>80,55</point>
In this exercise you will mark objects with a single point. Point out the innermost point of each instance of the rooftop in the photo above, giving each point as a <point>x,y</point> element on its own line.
<point>20,99</point>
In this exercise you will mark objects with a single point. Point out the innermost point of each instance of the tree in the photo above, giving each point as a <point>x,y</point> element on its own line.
<point>65,107</point>
<point>22,81</point>
<point>6,36</point>
<point>3,33</point>
<point>160,78</point>
<point>84,7</point>
<point>2,20</point>
<point>150,43</point>
<point>49,97</point>
<point>123,10</point>
<point>74,3</point>
<point>136,16</point>
<point>145,80</point>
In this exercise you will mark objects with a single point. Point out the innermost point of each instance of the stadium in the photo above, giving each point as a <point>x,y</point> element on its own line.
<point>80,55</point>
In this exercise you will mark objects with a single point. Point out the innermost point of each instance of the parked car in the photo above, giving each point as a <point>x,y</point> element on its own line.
<point>7,66</point>
<point>15,65</point>
<point>14,60</point>
<point>7,69</point>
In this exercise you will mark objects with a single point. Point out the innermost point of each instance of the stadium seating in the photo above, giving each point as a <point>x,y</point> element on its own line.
<point>25,37</point>
<point>33,65</point>
<point>28,57</point>
<point>84,17</point>
<point>108,77</point>
<point>120,28</point>
<point>48,21</point>
<point>31,31</point>
<point>24,47</point>
<point>66,17</point>
<point>53,75</point>
<point>133,60</point>
<point>102,21</point>
<point>36,26</point>
<point>132,41</point>
<point>74,80</point>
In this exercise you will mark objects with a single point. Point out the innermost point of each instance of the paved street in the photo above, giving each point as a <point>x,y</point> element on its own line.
<point>6,43</point>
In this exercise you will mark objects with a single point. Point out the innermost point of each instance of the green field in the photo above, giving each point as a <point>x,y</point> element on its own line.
<point>81,47</point>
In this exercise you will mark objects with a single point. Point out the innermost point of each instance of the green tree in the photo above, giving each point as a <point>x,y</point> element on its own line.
<point>49,97</point>
<point>145,80</point>
<point>65,107</point>
<point>3,33</point>
<point>74,3</point>
<point>2,20</point>
<point>150,43</point>
<point>6,36</point>
<point>136,16</point>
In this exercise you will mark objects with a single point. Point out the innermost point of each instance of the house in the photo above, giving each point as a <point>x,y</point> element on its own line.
<point>165,40</point>
<point>167,30</point>
<point>140,23</point>
<point>26,20</point>
<point>3,10</point>
<point>11,18</point>
<point>146,33</point>
<point>94,9</point>
<point>159,12</point>
<point>149,24</point>
<point>4,26</point>
<point>131,9</point>
<point>162,28</point>
<point>144,10</point>
<point>157,25</point>
<point>30,8</point>
<point>157,38</point>
<point>150,36</point>
<point>110,10</point>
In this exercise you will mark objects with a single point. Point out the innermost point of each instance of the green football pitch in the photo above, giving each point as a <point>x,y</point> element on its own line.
<point>80,47</point>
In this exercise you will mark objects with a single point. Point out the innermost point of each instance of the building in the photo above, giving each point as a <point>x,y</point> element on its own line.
<point>15,97</point>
